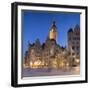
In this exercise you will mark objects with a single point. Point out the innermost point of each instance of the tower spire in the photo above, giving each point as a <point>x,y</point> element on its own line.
<point>54,22</point>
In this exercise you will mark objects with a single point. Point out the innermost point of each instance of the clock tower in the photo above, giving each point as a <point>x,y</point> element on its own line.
<point>53,32</point>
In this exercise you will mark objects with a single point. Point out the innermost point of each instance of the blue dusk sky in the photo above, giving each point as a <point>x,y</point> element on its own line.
<point>37,24</point>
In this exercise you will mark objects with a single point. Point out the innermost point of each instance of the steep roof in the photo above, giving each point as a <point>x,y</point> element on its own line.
<point>70,30</point>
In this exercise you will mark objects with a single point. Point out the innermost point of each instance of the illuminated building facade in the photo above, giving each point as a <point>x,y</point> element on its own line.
<point>50,54</point>
<point>74,41</point>
<point>46,55</point>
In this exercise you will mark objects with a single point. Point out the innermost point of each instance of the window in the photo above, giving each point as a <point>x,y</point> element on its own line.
<point>77,47</point>
<point>77,34</point>
<point>73,47</point>
<point>77,42</point>
<point>73,53</point>
<point>77,53</point>
<point>74,38</point>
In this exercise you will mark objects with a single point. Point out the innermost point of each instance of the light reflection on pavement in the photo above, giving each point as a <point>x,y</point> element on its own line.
<point>27,72</point>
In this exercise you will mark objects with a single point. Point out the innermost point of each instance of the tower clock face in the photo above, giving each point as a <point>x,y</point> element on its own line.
<point>53,34</point>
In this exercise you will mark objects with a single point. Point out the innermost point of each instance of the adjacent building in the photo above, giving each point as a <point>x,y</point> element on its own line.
<point>74,41</point>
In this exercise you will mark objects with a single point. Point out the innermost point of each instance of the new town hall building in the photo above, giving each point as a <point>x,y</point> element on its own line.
<point>50,54</point>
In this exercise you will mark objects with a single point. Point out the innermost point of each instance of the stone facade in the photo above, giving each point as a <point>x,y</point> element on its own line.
<point>47,55</point>
<point>74,41</point>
